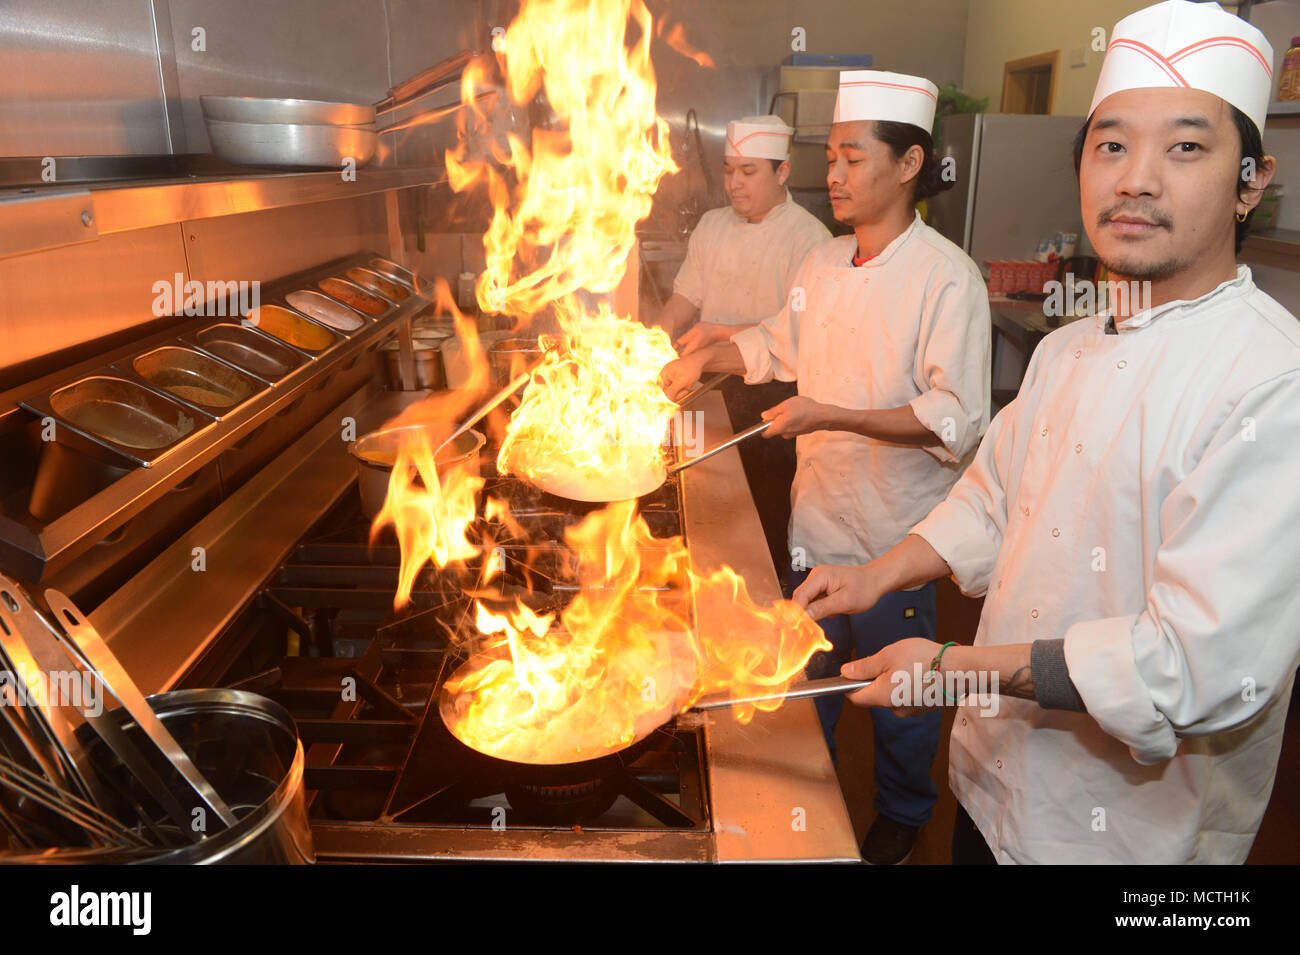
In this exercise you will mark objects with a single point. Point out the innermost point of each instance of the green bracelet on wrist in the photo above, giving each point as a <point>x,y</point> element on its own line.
<point>934,668</point>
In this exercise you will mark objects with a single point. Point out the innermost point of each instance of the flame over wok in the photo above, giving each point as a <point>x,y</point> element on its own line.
<point>622,657</point>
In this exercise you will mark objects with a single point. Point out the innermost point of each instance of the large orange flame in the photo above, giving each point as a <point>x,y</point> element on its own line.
<point>623,655</point>
<point>567,222</point>
<point>594,418</point>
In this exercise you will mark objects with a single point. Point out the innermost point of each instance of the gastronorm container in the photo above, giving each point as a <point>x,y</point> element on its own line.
<point>247,348</point>
<point>108,410</point>
<point>293,329</point>
<point>199,380</point>
<point>327,311</point>
<point>377,283</point>
<point>353,296</point>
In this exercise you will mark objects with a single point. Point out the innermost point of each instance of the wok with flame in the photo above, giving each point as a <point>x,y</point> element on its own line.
<point>589,681</point>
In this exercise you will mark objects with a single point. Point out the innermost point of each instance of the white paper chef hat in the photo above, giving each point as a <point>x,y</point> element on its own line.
<point>758,137</point>
<point>889,97</point>
<point>1196,46</point>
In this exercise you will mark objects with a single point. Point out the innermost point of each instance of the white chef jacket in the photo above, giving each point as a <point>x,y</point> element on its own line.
<point>1138,499</point>
<point>910,327</point>
<point>739,272</point>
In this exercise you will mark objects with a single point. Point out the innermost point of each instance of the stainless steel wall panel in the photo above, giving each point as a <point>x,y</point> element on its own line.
<point>261,246</point>
<point>55,300</point>
<point>310,49</point>
<point>79,77</point>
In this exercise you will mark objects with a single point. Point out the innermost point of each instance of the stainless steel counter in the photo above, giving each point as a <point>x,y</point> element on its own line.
<point>774,791</point>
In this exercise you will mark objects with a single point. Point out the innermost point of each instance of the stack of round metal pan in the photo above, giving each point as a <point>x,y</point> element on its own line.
<point>253,131</point>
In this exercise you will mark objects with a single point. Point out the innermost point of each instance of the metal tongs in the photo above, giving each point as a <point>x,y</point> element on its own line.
<point>49,763</point>
<point>800,691</point>
<point>84,645</point>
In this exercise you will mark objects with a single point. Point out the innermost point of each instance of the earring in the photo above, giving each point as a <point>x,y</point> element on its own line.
<point>1241,216</point>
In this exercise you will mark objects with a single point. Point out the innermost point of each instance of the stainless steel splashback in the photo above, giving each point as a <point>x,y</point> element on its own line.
<point>123,77</point>
<point>80,77</point>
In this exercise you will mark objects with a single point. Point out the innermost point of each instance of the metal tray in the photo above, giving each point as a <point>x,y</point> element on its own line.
<point>196,379</point>
<point>354,296</point>
<point>255,109</point>
<point>244,347</point>
<point>392,270</point>
<point>293,330</point>
<point>378,284</point>
<point>116,412</point>
<point>327,311</point>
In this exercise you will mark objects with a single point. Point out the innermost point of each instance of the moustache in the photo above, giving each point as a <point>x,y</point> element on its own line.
<point>1145,212</point>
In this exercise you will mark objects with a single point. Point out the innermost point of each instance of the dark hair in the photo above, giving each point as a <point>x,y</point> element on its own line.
<point>1252,147</point>
<point>900,137</point>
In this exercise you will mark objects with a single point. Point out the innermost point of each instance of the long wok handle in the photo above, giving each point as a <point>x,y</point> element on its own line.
<point>484,409</point>
<point>718,449</point>
<point>114,676</point>
<point>708,384</point>
<point>800,691</point>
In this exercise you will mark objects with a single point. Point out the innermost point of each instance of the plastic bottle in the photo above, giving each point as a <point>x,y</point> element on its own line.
<point>1289,84</point>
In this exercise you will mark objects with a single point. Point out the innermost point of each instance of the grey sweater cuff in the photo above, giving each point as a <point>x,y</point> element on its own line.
<point>1053,687</point>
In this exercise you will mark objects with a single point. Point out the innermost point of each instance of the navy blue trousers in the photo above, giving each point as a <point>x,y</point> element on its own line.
<point>904,747</point>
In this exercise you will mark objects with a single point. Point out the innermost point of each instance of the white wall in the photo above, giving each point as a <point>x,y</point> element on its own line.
<point>1002,30</point>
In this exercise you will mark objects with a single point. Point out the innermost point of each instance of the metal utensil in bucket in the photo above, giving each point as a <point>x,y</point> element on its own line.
<point>248,747</point>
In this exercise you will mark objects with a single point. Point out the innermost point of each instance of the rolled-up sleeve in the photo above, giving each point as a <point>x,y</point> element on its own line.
<point>1217,640</point>
<point>952,367</point>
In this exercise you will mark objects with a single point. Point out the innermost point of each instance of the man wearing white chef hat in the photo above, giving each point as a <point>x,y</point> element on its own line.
<point>1130,518</point>
<point>887,333</point>
<point>740,264</point>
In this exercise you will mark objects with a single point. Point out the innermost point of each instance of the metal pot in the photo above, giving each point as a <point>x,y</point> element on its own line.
<point>376,452</point>
<point>248,747</point>
<point>254,109</point>
<point>510,354</point>
<point>429,371</point>
<point>291,144</point>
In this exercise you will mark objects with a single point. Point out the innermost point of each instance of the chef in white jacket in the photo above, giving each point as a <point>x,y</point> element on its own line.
<point>1131,517</point>
<point>740,264</point>
<point>887,333</point>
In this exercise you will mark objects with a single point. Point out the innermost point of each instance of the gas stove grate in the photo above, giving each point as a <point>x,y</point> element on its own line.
<point>362,682</point>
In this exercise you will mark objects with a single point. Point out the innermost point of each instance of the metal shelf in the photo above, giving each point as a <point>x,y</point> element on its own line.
<point>35,218</point>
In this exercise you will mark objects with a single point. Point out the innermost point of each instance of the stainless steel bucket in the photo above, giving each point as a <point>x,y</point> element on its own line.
<point>430,375</point>
<point>510,356</point>
<point>248,748</point>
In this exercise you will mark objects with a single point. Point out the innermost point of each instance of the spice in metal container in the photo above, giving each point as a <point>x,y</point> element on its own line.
<point>352,296</point>
<point>325,310</point>
<point>294,329</point>
<point>376,283</point>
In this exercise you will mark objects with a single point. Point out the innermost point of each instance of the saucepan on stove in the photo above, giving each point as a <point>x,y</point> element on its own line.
<point>376,453</point>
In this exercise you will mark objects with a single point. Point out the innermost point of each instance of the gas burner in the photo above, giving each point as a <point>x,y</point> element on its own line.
<point>564,804</point>
<point>362,682</point>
